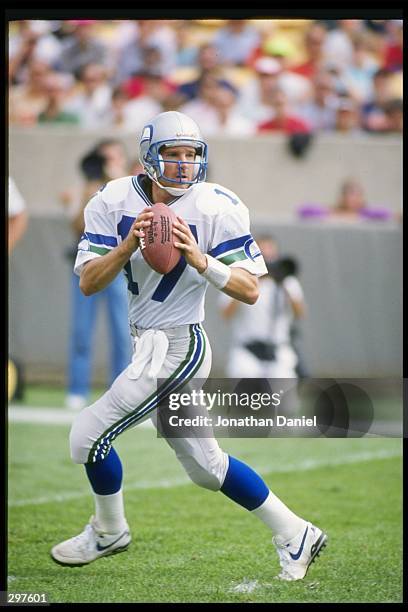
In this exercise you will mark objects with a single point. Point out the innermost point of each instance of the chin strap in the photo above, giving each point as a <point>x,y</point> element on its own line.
<point>175,191</point>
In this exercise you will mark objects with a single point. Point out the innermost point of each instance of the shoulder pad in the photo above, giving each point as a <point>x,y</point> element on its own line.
<point>115,191</point>
<point>214,199</point>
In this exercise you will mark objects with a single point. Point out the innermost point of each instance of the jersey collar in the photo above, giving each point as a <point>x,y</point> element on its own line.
<point>144,189</point>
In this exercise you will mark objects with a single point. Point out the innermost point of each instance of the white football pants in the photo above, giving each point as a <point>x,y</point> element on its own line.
<point>175,356</point>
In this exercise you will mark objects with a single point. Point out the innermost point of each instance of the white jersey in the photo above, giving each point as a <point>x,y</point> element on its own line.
<point>218,220</point>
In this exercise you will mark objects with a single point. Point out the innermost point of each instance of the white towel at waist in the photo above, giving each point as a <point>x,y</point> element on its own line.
<point>151,347</point>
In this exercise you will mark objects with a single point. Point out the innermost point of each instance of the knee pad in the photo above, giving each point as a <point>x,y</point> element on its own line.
<point>210,474</point>
<point>80,441</point>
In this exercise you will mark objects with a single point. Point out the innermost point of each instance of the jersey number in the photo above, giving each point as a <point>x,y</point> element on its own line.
<point>227,195</point>
<point>168,281</point>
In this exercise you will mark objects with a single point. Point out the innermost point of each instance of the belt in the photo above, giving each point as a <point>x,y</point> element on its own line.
<point>179,331</point>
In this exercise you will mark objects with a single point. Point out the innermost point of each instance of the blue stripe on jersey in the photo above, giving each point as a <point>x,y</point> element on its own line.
<point>228,245</point>
<point>101,239</point>
<point>189,370</point>
<point>169,280</point>
<point>139,190</point>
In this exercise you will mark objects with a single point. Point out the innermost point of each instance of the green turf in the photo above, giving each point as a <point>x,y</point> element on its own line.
<point>192,545</point>
<point>44,396</point>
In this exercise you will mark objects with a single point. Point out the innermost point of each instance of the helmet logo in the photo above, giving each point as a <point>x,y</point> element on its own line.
<point>184,135</point>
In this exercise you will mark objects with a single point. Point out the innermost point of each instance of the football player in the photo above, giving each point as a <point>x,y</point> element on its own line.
<point>165,315</point>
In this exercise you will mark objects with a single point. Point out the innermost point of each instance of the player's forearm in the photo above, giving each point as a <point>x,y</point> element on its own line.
<point>242,286</point>
<point>99,273</point>
<point>235,282</point>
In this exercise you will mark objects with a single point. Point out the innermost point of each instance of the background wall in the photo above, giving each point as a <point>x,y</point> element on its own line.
<point>261,170</point>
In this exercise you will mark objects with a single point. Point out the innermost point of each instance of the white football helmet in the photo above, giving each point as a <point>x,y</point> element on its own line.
<point>172,129</point>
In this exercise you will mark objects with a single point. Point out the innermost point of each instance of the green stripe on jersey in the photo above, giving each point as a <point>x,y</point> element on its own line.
<point>99,250</point>
<point>229,259</point>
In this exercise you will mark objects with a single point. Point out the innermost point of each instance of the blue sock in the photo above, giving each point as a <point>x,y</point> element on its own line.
<point>105,476</point>
<point>243,485</point>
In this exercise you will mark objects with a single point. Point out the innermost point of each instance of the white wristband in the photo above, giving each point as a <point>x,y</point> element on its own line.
<point>217,273</point>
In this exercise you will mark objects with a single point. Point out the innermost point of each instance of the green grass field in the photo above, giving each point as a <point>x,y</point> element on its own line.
<point>192,545</point>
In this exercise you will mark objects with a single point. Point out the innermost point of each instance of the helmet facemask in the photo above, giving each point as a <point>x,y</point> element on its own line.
<point>152,159</point>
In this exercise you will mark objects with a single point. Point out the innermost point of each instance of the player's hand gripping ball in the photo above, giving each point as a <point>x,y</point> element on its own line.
<point>157,246</point>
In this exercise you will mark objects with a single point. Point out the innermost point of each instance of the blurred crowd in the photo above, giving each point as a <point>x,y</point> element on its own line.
<point>236,78</point>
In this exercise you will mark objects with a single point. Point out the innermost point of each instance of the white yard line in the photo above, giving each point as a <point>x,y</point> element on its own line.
<point>301,466</point>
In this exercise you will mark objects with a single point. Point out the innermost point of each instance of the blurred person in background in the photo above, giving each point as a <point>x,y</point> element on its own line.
<point>358,75</point>
<point>348,116</point>
<point>131,114</point>
<point>230,122</point>
<point>284,119</point>
<point>320,112</point>
<point>373,116</point>
<point>92,101</point>
<point>254,98</point>
<point>297,87</point>
<point>394,112</point>
<point>17,227</point>
<point>31,40</point>
<point>147,34</point>
<point>82,47</point>
<point>187,51</point>
<point>57,87</point>
<point>314,40</point>
<point>207,63</point>
<point>338,46</point>
<point>262,334</point>
<point>236,41</point>
<point>105,162</point>
<point>392,59</point>
<point>150,76</point>
<point>351,205</point>
<point>28,100</point>
<point>270,72</point>
<point>17,215</point>
<point>202,108</point>
<point>216,109</point>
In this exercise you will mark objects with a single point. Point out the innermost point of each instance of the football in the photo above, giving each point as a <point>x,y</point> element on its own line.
<point>157,246</point>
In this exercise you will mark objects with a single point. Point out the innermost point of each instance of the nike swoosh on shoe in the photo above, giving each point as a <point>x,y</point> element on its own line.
<point>100,548</point>
<point>295,556</point>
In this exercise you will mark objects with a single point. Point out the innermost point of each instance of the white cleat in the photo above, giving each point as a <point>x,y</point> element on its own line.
<point>296,555</point>
<point>91,544</point>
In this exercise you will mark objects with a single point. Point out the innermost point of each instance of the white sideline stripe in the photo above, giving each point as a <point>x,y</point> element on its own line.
<point>303,466</point>
<point>49,416</point>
